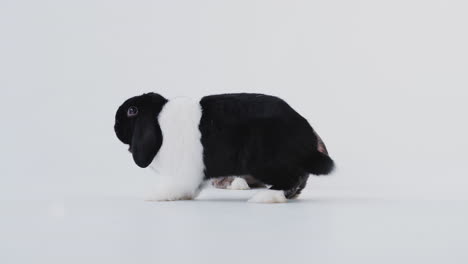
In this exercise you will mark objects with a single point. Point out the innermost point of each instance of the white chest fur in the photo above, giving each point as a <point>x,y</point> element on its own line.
<point>179,162</point>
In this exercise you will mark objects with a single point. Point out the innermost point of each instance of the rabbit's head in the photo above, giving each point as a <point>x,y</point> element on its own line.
<point>136,124</point>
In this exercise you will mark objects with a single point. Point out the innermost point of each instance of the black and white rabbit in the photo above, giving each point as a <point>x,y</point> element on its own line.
<point>189,141</point>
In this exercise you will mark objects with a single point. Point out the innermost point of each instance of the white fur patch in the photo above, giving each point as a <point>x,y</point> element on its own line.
<point>179,162</point>
<point>239,184</point>
<point>269,196</point>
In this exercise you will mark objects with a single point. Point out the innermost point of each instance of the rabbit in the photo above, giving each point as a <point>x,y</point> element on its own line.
<point>190,141</point>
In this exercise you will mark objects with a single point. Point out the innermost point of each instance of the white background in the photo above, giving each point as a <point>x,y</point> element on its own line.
<point>383,82</point>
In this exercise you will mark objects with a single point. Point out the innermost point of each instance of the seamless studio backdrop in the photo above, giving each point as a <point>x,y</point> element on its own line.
<point>384,83</point>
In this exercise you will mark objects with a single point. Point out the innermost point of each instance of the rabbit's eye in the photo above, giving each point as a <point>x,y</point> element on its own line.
<point>132,111</point>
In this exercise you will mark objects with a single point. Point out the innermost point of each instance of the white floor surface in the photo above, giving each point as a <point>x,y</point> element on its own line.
<point>221,227</point>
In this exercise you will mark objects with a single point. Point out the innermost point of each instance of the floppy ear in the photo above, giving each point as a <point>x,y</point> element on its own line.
<point>146,140</point>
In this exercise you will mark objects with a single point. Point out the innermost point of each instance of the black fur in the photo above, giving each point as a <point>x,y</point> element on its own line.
<point>241,134</point>
<point>262,136</point>
<point>141,132</point>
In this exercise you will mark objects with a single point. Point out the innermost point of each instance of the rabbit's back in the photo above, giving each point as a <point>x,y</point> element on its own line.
<point>242,132</point>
